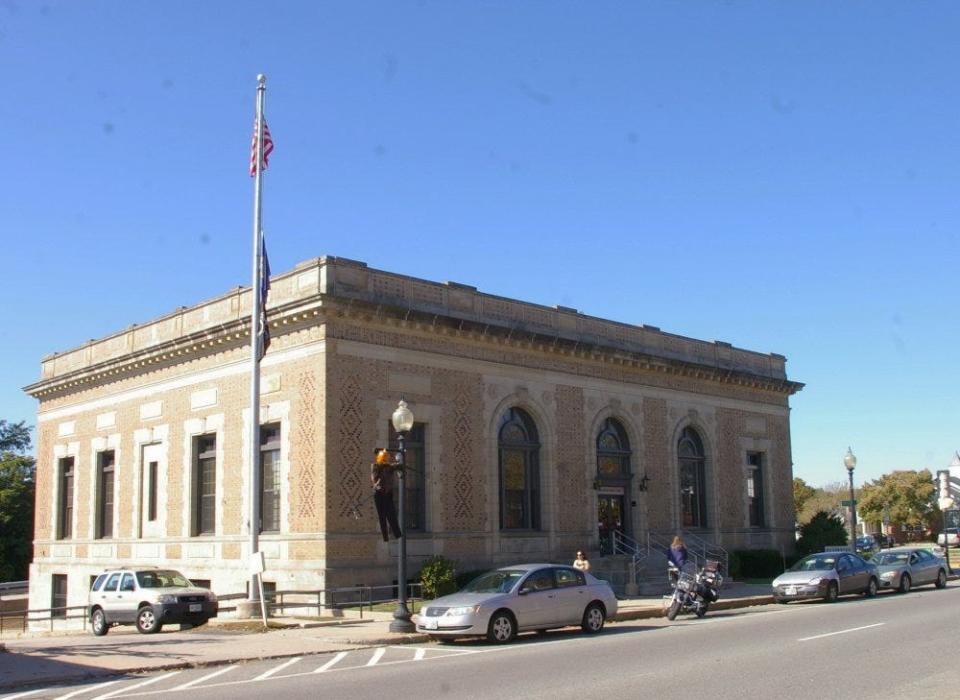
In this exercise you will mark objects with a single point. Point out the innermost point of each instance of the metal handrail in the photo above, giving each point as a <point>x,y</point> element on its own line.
<point>704,550</point>
<point>626,545</point>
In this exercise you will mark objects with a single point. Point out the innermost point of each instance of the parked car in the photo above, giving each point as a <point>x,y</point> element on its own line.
<point>867,545</point>
<point>950,537</point>
<point>148,598</point>
<point>826,575</point>
<point>501,603</point>
<point>905,567</point>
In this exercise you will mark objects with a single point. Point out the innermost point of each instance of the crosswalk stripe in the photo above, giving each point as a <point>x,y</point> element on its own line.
<point>331,662</point>
<point>23,695</point>
<point>420,654</point>
<point>125,689</point>
<point>267,674</point>
<point>377,655</point>
<point>87,689</point>
<point>197,681</point>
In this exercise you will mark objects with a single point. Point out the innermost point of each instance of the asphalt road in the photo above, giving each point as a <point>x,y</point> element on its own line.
<point>889,646</point>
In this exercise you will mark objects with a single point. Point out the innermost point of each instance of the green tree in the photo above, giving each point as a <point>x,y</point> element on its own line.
<point>905,497</point>
<point>823,530</point>
<point>826,498</point>
<point>17,471</point>
<point>802,492</point>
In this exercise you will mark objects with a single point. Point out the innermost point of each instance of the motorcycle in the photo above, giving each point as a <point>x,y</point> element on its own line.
<point>694,590</point>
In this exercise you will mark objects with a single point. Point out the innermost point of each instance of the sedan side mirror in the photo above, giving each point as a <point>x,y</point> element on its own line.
<point>523,591</point>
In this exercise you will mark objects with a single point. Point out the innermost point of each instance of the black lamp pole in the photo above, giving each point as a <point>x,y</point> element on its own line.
<point>402,422</point>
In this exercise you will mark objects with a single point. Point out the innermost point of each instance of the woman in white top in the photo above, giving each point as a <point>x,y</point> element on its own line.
<point>581,562</point>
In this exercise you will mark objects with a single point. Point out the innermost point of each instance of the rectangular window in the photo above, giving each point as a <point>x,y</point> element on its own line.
<point>105,470</point>
<point>204,484</point>
<point>152,491</point>
<point>65,507</point>
<point>270,478</point>
<point>755,488</point>
<point>201,583</point>
<point>414,476</point>
<point>58,597</point>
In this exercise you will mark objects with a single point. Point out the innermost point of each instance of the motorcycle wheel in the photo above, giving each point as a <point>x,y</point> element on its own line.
<point>673,609</point>
<point>702,610</point>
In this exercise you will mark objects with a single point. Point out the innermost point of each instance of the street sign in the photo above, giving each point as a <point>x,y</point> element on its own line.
<point>848,503</point>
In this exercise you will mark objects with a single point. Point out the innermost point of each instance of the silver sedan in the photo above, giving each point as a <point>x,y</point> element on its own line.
<point>501,603</point>
<point>905,567</point>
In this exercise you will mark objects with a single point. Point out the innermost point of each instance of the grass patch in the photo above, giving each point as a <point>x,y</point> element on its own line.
<point>389,606</point>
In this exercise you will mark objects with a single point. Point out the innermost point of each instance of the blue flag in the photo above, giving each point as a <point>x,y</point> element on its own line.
<point>263,329</point>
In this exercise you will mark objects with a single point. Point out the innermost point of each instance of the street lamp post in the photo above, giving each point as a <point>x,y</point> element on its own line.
<point>850,462</point>
<point>946,503</point>
<point>402,420</point>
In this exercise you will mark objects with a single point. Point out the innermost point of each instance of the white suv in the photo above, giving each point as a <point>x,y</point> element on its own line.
<point>147,598</point>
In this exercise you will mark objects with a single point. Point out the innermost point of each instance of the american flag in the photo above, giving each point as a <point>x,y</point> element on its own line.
<point>267,147</point>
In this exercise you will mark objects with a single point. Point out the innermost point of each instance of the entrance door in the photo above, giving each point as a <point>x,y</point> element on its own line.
<point>609,520</point>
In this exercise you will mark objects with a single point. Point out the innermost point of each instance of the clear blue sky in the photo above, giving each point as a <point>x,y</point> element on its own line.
<point>781,176</point>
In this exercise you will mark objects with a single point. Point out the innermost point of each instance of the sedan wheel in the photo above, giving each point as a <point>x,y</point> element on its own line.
<point>941,579</point>
<point>147,622</point>
<point>905,583</point>
<point>593,619</point>
<point>871,588</point>
<point>502,628</point>
<point>99,623</point>
<point>832,592</point>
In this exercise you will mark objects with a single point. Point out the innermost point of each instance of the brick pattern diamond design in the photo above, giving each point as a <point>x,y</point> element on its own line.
<point>465,512</point>
<point>349,483</point>
<point>303,468</point>
<point>571,457</point>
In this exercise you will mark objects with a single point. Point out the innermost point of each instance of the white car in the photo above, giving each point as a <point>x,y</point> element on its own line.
<point>148,598</point>
<point>951,535</point>
<point>501,603</point>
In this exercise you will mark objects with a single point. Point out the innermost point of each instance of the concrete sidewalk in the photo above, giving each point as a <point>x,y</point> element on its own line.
<point>44,658</point>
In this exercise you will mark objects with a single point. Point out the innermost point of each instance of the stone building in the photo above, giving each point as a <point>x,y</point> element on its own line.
<point>538,431</point>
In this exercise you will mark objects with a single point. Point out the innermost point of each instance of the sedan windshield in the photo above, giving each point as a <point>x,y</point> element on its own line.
<point>815,562</point>
<point>163,578</point>
<point>494,582</point>
<point>890,558</point>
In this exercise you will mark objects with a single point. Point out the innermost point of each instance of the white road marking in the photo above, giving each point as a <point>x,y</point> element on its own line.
<point>420,654</point>
<point>197,681</point>
<point>25,694</point>
<point>128,688</point>
<point>87,689</point>
<point>266,674</point>
<point>377,655</point>
<point>852,629</point>
<point>331,662</point>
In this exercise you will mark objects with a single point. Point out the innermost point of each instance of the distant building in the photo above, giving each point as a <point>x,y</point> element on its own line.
<point>538,431</point>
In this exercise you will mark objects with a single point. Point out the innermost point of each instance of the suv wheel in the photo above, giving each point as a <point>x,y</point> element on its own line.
<point>147,622</point>
<point>98,621</point>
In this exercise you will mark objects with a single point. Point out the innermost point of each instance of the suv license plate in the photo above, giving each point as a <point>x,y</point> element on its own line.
<point>196,607</point>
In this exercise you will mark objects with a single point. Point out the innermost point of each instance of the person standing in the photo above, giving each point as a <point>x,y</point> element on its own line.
<point>676,557</point>
<point>581,563</point>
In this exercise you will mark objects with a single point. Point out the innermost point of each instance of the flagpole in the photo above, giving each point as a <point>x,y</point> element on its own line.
<point>254,520</point>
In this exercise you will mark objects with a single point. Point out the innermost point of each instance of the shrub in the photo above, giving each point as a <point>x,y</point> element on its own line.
<point>755,563</point>
<point>438,577</point>
<point>823,530</point>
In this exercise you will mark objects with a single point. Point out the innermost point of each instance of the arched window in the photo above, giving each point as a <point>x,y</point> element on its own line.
<point>519,447</point>
<point>613,450</point>
<point>693,480</point>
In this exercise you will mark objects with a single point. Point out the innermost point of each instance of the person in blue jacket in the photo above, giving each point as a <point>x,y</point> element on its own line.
<point>677,556</point>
